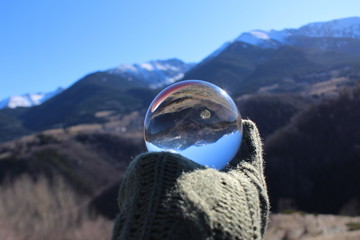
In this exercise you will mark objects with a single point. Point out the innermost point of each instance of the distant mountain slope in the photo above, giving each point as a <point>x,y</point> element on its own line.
<point>152,74</point>
<point>230,67</point>
<point>243,68</point>
<point>79,103</point>
<point>11,126</point>
<point>29,99</point>
<point>120,90</point>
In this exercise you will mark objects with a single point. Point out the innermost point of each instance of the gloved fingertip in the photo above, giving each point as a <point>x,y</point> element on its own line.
<point>250,129</point>
<point>250,149</point>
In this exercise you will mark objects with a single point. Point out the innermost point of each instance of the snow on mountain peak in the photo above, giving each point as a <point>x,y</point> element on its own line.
<point>344,28</point>
<point>154,73</point>
<point>260,35</point>
<point>340,28</point>
<point>29,99</point>
<point>260,38</point>
<point>253,37</point>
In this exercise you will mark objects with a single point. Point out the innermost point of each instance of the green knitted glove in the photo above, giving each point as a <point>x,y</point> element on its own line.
<point>166,196</point>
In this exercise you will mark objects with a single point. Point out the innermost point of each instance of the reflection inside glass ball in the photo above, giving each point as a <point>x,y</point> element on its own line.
<point>196,119</point>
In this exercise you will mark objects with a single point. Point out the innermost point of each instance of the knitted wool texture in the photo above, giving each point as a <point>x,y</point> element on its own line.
<point>166,196</point>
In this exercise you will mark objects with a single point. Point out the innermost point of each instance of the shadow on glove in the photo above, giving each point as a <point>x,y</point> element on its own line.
<point>166,196</point>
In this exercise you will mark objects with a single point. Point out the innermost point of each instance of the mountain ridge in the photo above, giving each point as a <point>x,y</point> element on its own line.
<point>339,28</point>
<point>238,67</point>
<point>29,99</point>
<point>341,35</point>
<point>152,74</point>
<point>278,60</point>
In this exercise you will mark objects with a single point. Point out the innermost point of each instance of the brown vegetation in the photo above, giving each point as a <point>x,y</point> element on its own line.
<point>314,161</point>
<point>33,210</point>
<point>272,111</point>
<point>91,164</point>
<point>42,209</point>
<point>300,226</point>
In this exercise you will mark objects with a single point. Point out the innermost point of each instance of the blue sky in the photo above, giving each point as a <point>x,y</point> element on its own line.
<point>46,43</point>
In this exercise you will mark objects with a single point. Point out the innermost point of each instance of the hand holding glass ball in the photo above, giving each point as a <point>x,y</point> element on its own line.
<point>196,119</point>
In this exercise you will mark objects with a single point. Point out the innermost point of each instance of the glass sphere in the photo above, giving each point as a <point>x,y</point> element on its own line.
<point>196,119</point>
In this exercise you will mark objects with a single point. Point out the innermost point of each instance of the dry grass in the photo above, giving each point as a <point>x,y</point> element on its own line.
<point>39,209</point>
<point>36,210</point>
<point>311,227</point>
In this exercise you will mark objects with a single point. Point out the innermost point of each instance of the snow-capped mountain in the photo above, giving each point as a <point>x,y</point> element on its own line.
<point>154,73</point>
<point>29,99</point>
<point>340,28</point>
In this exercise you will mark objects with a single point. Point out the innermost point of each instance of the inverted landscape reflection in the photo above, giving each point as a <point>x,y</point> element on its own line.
<point>214,155</point>
<point>195,119</point>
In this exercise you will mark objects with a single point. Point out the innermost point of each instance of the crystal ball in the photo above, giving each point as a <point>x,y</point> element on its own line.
<point>197,120</point>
